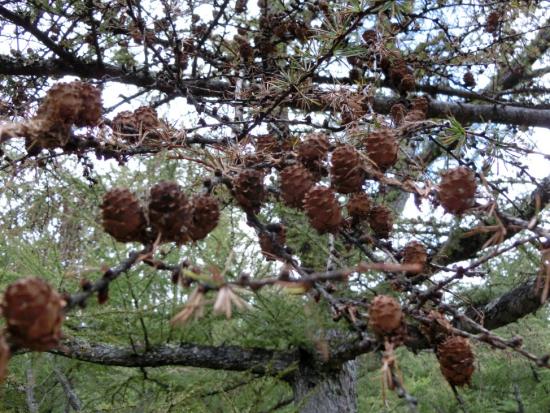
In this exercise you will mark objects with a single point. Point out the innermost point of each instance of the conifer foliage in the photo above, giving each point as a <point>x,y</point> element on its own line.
<point>329,176</point>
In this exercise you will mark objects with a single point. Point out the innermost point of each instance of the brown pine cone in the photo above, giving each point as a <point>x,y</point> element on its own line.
<point>34,313</point>
<point>125,123</point>
<point>206,214</point>
<point>382,148</point>
<point>385,315</point>
<point>493,21</point>
<point>415,116</point>
<point>314,148</point>
<point>249,190</point>
<point>398,113</point>
<point>359,206</point>
<point>421,104</point>
<point>146,119</point>
<point>469,79</point>
<point>323,209</point>
<point>369,37</point>
<point>5,355</point>
<point>347,174</point>
<point>296,180</point>
<point>415,253</point>
<point>170,212</point>
<point>123,216</point>
<point>381,221</point>
<point>456,360</point>
<point>438,329</point>
<point>457,189</point>
<point>75,103</point>
<point>269,249</point>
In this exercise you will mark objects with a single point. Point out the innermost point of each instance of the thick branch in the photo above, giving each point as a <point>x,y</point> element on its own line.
<point>255,360</point>
<point>459,247</point>
<point>463,112</point>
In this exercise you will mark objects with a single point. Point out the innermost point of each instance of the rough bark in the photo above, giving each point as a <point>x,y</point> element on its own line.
<point>256,360</point>
<point>333,391</point>
<point>509,307</point>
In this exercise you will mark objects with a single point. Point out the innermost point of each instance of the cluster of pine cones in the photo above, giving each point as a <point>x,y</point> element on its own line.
<point>33,312</point>
<point>65,105</point>
<point>454,353</point>
<point>170,216</point>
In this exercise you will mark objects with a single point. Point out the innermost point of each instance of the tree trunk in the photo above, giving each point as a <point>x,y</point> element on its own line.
<point>328,392</point>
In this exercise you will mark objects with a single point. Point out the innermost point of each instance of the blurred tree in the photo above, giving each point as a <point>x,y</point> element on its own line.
<point>277,205</point>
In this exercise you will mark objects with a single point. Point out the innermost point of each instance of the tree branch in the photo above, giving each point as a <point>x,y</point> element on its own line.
<point>255,360</point>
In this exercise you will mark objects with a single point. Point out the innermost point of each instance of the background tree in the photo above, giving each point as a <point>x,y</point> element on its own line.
<point>332,201</point>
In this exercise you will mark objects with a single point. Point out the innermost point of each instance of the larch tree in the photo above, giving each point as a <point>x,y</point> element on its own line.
<point>277,188</point>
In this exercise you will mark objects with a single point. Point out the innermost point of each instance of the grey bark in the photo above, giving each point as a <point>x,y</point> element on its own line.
<point>332,391</point>
<point>255,360</point>
<point>29,391</point>
<point>72,398</point>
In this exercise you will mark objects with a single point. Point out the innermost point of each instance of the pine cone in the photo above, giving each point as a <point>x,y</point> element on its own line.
<point>206,214</point>
<point>125,123</point>
<point>5,355</point>
<point>469,79</point>
<point>457,189</point>
<point>381,221</point>
<point>249,190</point>
<point>421,104</point>
<point>314,148</point>
<point>438,328</point>
<point>296,180</point>
<point>34,313</point>
<point>170,212</point>
<point>456,360</point>
<point>385,315</point>
<point>398,113</point>
<point>123,216</point>
<point>75,103</point>
<point>415,253</point>
<point>359,206</point>
<point>493,21</point>
<point>276,232</point>
<point>369,37</point>
<point>347,174</point>
<point>323,209</point>
<point>382,148</point>
<point>146,119</point>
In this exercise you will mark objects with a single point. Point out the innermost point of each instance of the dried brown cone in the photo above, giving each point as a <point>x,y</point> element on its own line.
<point>469,79</point>
<point>323,209</point>
<point>415,116</point>
<point>170,212</point>
<point>457,189</point>
<point>74,103</point>
<point>206,214</point>
<point>437,328</point>
<point>415,253</point>
<point>369,37</point>
<point>314,148</point>
<point>382,148</point>
<point>125,123</point>
<point>381,221</point>
<point>5,355</point>
<point>347,174</point>
<point>146,119</point>
<point>456,360</point>
<point>421,104</point>
<point>276,232</point>
<point>296,180</point>
<point>398,112</point>
<point>407,84</point>
<point>249,190</point>
<point>385,315</point>
<point>359,206</point>
<point>493,21</point>
<point>34,313</point>
<point>123,216</point>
